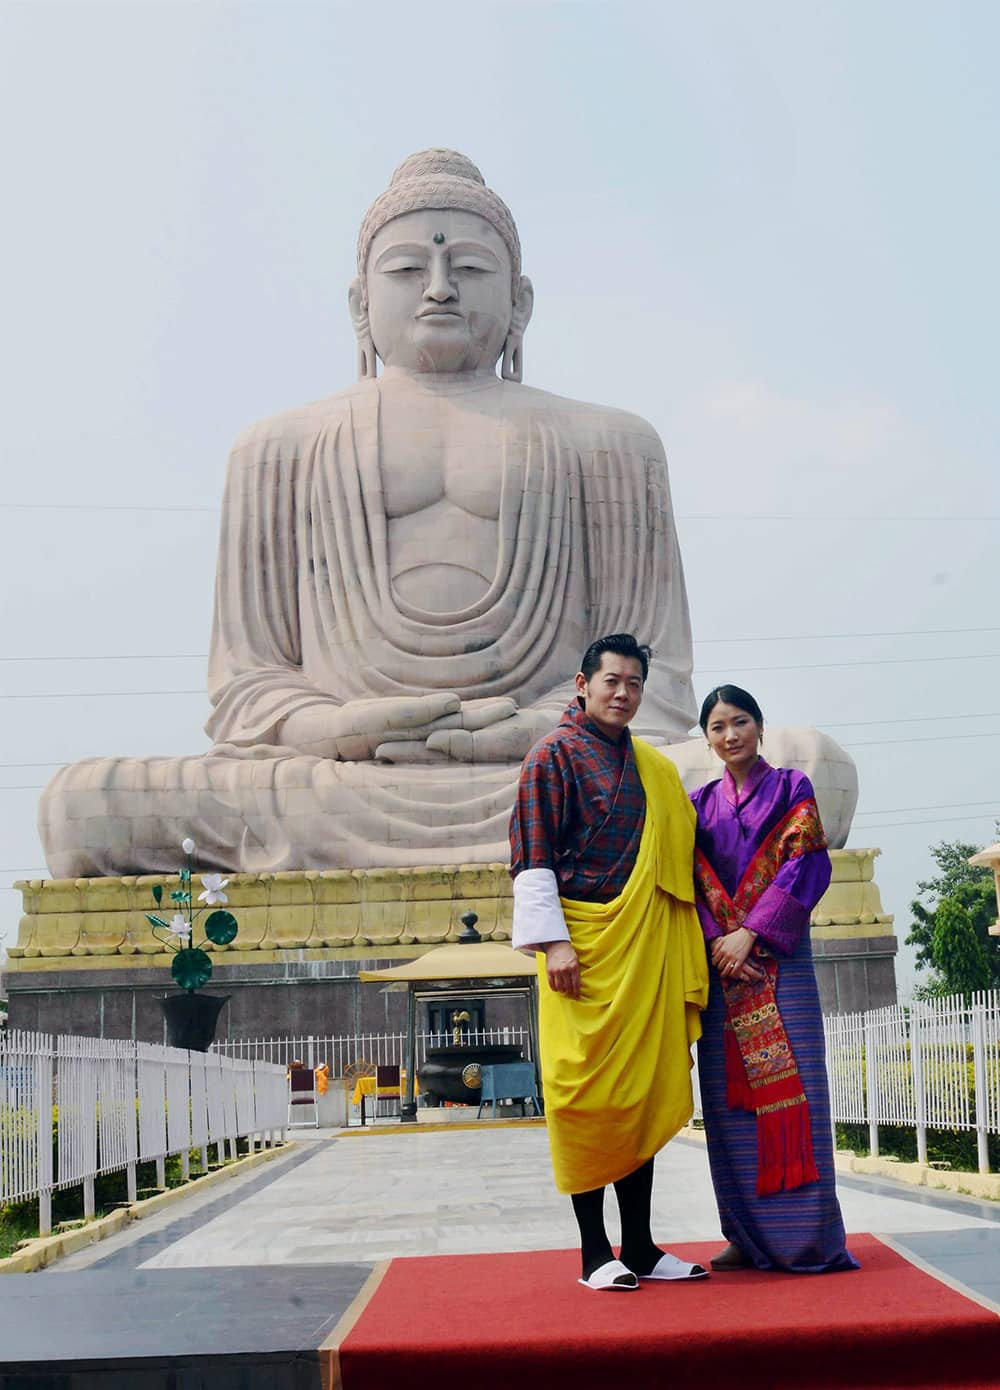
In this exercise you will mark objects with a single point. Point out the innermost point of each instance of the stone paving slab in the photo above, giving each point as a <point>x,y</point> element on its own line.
<point>278,1254</point>
<point>427,1194</point>
<point>361,1199</point>
<point>102,1315</point>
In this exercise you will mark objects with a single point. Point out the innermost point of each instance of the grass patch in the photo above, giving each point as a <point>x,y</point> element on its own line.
<point>956,1148</point>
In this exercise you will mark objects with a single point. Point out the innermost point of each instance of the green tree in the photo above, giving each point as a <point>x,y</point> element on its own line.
<point>951,916</point>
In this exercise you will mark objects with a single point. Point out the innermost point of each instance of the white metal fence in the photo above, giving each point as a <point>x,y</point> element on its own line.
<point>934,1065</point>
<point>73,1108</point>
<point>381,1049</point>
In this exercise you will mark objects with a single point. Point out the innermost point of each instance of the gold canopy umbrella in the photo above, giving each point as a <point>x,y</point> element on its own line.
<point>480,961</point>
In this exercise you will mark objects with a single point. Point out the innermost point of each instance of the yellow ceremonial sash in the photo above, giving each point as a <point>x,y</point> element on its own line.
<point>616,1064</point>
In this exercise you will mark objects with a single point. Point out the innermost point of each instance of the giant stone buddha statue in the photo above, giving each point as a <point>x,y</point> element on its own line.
<point>408,572</point>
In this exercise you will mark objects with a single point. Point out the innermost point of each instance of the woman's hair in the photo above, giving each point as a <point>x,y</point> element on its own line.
<point>729,695</point>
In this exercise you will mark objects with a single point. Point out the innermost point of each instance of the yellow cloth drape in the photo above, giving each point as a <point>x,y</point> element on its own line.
<point>616,1064</point>
<point>365,1086</point>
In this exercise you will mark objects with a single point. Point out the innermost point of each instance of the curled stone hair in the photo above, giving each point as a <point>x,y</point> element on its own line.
<point>440,179</point>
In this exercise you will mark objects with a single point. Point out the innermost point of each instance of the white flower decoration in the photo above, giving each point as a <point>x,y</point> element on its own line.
<point>187,845</point>
<point>179,926</point>
<point>214,884</point>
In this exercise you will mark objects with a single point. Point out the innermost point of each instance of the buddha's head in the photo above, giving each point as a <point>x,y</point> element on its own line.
<point>439,285</point>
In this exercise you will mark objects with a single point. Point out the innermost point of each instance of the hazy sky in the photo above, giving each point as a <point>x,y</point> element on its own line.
<point>770,228</point>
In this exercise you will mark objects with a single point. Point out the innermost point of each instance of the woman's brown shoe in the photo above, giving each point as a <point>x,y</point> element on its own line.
<point>730,1258</point>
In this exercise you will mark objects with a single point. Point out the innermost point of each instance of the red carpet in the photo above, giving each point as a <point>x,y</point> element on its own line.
<point>497,1321</point>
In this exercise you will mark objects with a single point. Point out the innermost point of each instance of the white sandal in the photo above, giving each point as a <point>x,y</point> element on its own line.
<point>613,1277</point>
<point>670,1267</point>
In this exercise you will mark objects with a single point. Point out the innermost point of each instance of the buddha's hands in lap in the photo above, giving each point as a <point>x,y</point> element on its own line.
<point>355,731</point>
<point>506,741</point>
<point>468,717</point>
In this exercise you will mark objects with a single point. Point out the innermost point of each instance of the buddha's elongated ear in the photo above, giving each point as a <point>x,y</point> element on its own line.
<point>513,348</point>
<point>367,357</point>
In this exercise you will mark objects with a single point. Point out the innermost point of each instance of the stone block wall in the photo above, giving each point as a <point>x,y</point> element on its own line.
<point>86,960</point>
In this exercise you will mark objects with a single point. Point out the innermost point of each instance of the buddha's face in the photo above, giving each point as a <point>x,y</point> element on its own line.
<point>439,292</point>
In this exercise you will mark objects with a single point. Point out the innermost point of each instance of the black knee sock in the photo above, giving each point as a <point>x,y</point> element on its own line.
<point>595,1248</point>
<point>635,1195</point>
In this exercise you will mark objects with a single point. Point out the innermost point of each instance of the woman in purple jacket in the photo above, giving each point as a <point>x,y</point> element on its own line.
<point>761,866</point>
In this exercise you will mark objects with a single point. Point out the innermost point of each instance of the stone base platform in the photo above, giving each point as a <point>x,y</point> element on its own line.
<point>86,959</point>
<point>94,922</point>
<point>853,943</point>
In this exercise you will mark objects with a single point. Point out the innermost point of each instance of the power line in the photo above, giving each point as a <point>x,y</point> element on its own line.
<point>699,641</point>
<point>99,694</point>
<point>940,738</point>
<point>885,811</point>
<point>862,743</point>
<point>97,507</point>
<point>938,806</point>
<point>686,516</point>
<point>835,636</point>
<point>58,762</point>
<point>806,666</point>
<point>835,665</point>
<point>937,820</point>
<point>904,719</point>
<point>824,516</point>
<point>155,656</point>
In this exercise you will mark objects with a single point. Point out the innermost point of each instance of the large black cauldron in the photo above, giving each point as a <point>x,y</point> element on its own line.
<point>448,1070</point>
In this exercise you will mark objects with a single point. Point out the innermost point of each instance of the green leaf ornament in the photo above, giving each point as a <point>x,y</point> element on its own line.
<point>191,968</point>
<point>220,928</point>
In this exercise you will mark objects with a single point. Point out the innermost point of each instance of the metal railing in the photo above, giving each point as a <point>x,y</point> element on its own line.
<point>934,1065</point>
<point>72,1109</point>
<point>381,1049</point>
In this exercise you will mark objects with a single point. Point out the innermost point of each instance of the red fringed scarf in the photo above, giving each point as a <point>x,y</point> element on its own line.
<point>761,1074</point>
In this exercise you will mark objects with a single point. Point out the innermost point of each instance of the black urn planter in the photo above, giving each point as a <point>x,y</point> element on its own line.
<point>192,1018</point>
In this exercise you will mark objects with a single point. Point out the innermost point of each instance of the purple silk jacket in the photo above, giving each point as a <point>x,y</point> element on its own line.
<point>731,828</point>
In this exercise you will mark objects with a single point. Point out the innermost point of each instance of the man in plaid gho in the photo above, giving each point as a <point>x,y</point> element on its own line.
<point>602,841</point>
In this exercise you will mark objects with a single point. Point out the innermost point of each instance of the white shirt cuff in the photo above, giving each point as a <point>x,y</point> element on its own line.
<point>538,914</point>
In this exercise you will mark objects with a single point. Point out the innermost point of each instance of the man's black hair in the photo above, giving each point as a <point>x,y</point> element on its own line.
<point>622,644</point>
<point>729,695</point>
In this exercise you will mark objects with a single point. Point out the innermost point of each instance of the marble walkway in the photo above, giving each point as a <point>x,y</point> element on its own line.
<point>383,1194</point>
<point>285,1247</point>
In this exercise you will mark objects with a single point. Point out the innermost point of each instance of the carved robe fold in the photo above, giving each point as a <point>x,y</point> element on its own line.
<point>306,612</point>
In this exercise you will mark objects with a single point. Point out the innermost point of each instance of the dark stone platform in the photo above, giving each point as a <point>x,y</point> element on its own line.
<point>173,1329</point>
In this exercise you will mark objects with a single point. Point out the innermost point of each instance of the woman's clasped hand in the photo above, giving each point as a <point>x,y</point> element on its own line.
<point>731,956</point>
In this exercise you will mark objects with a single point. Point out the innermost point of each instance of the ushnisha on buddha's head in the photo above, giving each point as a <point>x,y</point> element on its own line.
<point>439,286</point>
